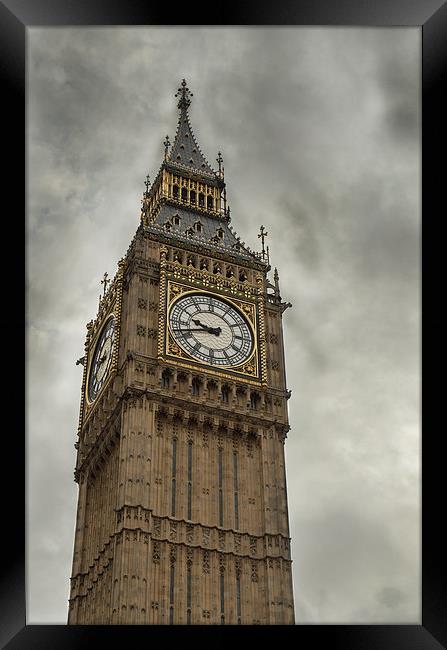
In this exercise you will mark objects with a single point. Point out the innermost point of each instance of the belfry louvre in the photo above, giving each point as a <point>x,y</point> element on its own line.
<point>182,510</point>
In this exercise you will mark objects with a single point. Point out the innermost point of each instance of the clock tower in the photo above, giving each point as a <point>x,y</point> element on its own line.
<point>182,509</point>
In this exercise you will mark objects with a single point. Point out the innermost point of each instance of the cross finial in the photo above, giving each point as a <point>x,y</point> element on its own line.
<point>185,94</point>
<point>167,144</point>
<point>147,183</point>
<point>105,282</point>
<point>263,234</point>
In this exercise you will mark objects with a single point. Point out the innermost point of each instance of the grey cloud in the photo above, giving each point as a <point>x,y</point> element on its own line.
<point>319,132</point>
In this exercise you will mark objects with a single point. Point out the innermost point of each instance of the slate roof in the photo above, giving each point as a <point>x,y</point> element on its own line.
<point>185,150</point>
<point>208,238</point>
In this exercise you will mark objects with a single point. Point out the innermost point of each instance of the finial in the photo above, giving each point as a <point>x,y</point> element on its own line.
<point>184,92</point>
<point>219,161</point>
<point>263,234</point>
<point>147,183</point>
<point>276,280</point>
<point>167,144</point>
<point>105,282</point>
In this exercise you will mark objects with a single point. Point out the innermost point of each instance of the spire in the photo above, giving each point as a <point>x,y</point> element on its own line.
<point>185,151</point>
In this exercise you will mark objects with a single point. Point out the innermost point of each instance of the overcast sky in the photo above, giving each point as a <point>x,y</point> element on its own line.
<point>319,129</point>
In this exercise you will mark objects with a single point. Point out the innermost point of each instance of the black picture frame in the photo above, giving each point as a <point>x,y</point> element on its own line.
<point>431,16</point>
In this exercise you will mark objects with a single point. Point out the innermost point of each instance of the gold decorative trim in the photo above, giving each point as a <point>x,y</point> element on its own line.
<point>262,334</point>
<point>117,313</point>
<point>84,376</point>
<point>170,291</point>
<point>110,315</point>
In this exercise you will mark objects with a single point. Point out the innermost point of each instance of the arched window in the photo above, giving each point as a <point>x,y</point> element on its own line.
<point>225,393</point>
<point>175,190</point>
<point>176,220</point>
<point>212,387</point>
<point>196,387</point>
<point>166,378</point>
<point>184,194</point>
<point>209,202</point>
<point>201,200</point>
<point>254,401</point>
<point>198,226</point>
<point>192,196</point>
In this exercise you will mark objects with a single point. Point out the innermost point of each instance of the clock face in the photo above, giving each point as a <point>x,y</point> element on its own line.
<point>102,359</point>
<point>211,330</point>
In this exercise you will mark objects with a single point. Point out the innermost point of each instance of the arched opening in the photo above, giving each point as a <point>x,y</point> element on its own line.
<point>166,376</point>
<point>195,386</point>
<point>184,194</point>
<point>192,197</point>
<point>225,393</point>
<point>201,200</point>
<point>175,191</point>
<point>209,202</point>
<point>254,401</point>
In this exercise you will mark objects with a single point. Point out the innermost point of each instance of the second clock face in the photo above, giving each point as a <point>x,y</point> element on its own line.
<point>101,360</point>
<point>211,330</point>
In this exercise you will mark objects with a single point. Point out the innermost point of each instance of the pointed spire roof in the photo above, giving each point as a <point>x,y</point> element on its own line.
<point>185,151</point>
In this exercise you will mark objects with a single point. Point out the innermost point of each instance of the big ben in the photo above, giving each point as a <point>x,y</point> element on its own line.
<point>182,509</point>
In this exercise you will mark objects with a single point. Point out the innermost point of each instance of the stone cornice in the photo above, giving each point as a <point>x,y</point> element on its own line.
<point>169,405</point>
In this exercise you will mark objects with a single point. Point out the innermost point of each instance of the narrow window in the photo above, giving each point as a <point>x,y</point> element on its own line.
<point>209,202</point>
<point>238,598</point>
<point>188,594</point>
<point>184,194</point>
<point>201,200</point>
<point>192,196</point>
<point>174,471</point>
<point>222,597</point>
<point>220,487</point>
<point>165,379</point>
<point>254,401</point>
<point>195,387</point>
<point>225,393</point>
<point>171,595</point>
<point>189,480</point>
<point>235,490</point>
<point>175,190</point>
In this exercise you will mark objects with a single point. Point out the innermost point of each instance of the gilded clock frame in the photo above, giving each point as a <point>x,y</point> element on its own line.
<point>110,305</point>
<point>171,352</point>
<point>248,314</point>
<point>111,315</point>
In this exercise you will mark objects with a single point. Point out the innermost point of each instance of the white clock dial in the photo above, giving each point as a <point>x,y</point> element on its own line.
<point>102,359</point>
<point>211,330</point>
